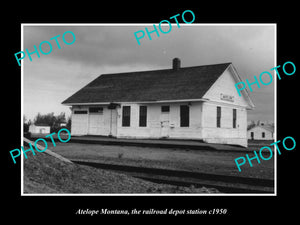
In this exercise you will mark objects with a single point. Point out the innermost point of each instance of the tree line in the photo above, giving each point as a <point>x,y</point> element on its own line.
<point>49,119</point>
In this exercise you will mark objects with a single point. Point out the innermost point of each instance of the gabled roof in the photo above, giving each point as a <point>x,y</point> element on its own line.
<point>157,85</point>
<point>265,127</point>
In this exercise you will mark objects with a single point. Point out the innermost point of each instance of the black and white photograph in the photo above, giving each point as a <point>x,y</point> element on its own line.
<point>128,112</point>
<point>162,117</point>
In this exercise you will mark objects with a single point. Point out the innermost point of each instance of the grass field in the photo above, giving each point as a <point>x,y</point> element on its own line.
<point>190,160</point>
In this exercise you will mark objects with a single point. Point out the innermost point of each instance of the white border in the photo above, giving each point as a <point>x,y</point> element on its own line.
<point>275,111</point>
<point>22,100</point>
<point>151,24</point>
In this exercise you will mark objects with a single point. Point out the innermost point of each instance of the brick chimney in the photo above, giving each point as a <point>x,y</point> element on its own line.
<point>176,64</point>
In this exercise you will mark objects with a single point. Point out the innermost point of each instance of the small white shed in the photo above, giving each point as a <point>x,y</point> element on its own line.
<point>261,132</point>
<point>39,129</point>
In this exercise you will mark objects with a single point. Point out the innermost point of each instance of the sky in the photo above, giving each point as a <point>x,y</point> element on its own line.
<point>110,48</point>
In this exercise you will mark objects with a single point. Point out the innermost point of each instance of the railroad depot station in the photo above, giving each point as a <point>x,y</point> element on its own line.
<point>198,103</point>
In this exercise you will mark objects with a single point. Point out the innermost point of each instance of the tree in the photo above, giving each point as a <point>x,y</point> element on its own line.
<point>61,118</point>
<point>51,120</point>
<point>25,125</point>
<point>48,119</point>
<point>252,124</point>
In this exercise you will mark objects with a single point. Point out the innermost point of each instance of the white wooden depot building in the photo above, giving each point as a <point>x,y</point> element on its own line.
<point>198,102</point>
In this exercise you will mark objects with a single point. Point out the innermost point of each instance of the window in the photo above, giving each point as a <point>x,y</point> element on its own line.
<point>263,134</point>
<point>96,110</point>
<point>184,116</point>
<point>218,116</point>
<point>234,118</point>
<point>165,108</point>
<point>143,116</point>
<point>80,112</point>
<point>126,116</point>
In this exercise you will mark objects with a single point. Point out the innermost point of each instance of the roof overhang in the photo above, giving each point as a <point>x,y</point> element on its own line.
<point>155,102</point>
<point>137,102</point>
<point>244,92</point>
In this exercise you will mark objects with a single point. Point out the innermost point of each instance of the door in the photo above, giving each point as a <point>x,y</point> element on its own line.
<point>95,124</point>
<point>79,122</point>
<point>113,122</point>
<point>165,128</point>
<point>165,125</point>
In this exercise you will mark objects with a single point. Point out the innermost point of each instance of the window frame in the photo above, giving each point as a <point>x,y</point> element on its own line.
<point>95,111</point>
<point>143,116</point>
<point>234,118</point>
<point>184,116</point>
<point>80,112</point>
<point>219,116</point>
<point>126,118</point>
<point>163,107</point>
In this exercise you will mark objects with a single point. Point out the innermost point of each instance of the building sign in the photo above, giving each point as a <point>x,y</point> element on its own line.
<point>228,98</point>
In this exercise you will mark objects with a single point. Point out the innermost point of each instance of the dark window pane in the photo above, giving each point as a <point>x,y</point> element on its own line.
<point>234,123</point>
<point>126,116</point>
<point>165,108</point>
<point>96,110</point>
<point>218,116</point>
<point>80,112</point>
<point>184,116</point>
<point>143,116</point>
<point>234,118</point>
